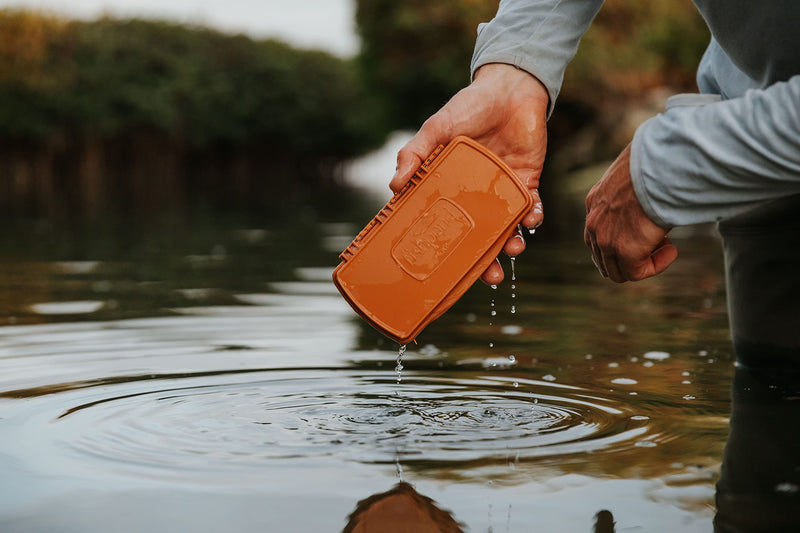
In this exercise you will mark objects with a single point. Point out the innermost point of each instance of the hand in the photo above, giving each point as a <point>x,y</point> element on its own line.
<point>626,245</point>
<point>505,109</point>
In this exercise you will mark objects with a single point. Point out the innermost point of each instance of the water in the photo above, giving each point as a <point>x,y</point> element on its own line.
<point>513,283</point>
<point>195,376</point>
<point>398,369</point>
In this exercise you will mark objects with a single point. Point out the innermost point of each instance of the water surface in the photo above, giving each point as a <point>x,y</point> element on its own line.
<point>204,374</point>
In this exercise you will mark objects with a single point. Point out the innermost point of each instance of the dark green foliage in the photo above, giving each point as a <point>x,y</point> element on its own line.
<point>416,53</point>
<point>129,116</point>
<point>110,76</point>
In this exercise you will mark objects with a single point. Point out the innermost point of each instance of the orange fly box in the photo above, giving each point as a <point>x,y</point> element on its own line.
<point>432,240</point>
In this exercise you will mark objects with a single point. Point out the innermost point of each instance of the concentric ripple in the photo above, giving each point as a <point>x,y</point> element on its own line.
<point>242,420</point>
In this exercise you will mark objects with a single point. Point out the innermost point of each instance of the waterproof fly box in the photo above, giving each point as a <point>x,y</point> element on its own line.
<point>432,240</point>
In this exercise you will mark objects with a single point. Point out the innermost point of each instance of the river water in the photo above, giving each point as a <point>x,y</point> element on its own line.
<point>204,374</point>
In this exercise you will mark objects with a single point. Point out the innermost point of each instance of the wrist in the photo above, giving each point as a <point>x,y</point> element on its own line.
<point>514,80</point>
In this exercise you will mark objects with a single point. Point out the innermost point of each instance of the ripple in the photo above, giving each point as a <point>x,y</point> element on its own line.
<point>241,421</point>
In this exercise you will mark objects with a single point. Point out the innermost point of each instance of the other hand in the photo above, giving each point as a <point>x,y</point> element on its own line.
<point>626,245</point>
<point>505,109</point>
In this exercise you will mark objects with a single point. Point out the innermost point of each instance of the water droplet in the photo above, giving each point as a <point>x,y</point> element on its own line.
<point>621,328</point>
<point>531,231</point>
<point>549,377</point>
<point>645,444</point>
<point>613,365</point>
<point>513,285</point>
<point>494,286</point>
<point>640,417</point>
<point>702,353</point>
<point>688,397</point>
<point>399,368</point>
<point>493,313</point>
<point>516,384</point>
<point>491,345</point>
<point>624,381</point>
<point>656,356</point>
<point>499,362</point>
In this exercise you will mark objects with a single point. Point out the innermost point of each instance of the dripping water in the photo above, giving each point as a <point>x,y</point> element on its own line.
<point>399,367</point>
<point>513,284</point>
<point>492,313</point>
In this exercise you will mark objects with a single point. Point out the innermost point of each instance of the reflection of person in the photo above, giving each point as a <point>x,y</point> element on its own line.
<point>400,510</point>
<point>759,489</point>
<point>733,157</point>
<point>404,510</point>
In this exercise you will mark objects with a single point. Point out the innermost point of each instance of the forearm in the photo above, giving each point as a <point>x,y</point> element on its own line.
<point>538,36</point>
<point>709,163</point>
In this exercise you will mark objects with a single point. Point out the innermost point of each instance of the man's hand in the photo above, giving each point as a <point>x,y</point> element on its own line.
<point>505,109</point>
<point>626,245</point>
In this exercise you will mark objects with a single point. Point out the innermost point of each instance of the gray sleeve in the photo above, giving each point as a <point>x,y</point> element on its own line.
<point>538,36</point>
<point>706,163</point>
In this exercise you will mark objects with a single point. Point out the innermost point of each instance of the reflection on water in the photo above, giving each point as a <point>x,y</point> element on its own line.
<point>759,489</point>
<point>208,375</point>
<point>400,510</point>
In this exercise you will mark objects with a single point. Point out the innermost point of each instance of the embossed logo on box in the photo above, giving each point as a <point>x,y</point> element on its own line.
<point>431,239</point>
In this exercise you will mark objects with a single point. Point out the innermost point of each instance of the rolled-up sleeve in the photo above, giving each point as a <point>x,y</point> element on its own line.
<point>695,164</point>
<point>538,36</point>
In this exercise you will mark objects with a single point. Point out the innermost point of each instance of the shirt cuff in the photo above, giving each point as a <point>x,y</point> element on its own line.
<point>637,178</point>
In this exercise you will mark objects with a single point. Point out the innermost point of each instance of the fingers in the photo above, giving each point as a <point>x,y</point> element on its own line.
<point>515,244</point>
<point>615,266</point>
<point>494,274</point>
<point>535,217</point>
<point>597,257</point>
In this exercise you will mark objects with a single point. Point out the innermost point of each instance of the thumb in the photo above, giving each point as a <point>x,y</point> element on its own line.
<point>407,162</point>
<point>410,157</point>
<point>664,256</point>
<point>656,263</point>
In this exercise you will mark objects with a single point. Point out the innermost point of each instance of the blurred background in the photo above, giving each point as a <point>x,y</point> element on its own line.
<point>117,108</point>
<point>141,133</point>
